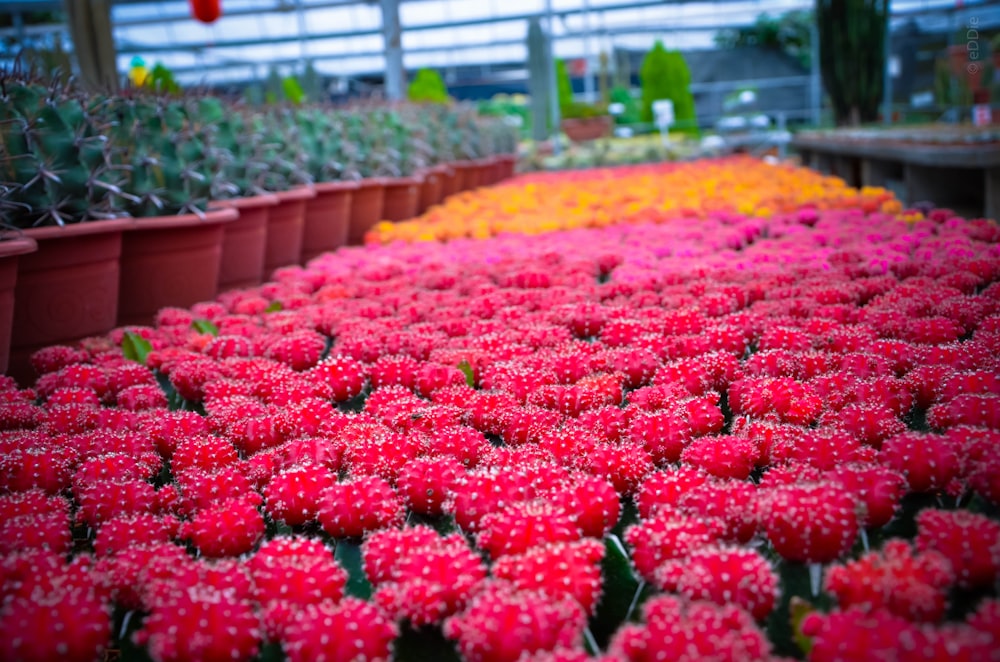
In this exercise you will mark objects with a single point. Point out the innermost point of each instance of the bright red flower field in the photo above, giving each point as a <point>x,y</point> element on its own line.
<point>714,437</point>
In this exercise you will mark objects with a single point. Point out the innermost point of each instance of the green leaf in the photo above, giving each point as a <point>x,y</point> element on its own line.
<point>622,595</point>
<point>426,643</point>
<point>273,307</point>
<point>271,652</point>
<point>205,326</point>
<point>470,376</point>
<point>798,609</point>
<point>135,347</point>
<point>348,555</point>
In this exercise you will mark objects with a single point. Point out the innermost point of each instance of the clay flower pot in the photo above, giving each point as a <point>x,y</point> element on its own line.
<point>244,242</point>
<point>170,261</point>
<point>285,226</point>
<point>466,175</point>
<point>366,208</point>
<point>327,218</point>
<point>432,189</point>
<point>402,196</point>
<point>449,181</point>
<point>66,290</point>
<point>489,171</point>
<point>583,129</point>
<point>506,164</point>
<point>10,252</point>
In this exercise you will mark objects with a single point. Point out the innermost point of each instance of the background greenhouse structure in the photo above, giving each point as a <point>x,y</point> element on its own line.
<point>479,46</point>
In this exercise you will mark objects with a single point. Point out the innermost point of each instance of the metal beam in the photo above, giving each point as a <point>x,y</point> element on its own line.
<point>444,25</point>
<point>392,33</point>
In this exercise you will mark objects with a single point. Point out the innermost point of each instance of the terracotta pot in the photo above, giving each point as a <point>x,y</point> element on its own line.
<point>466,175</point>
<point>489,171</point>
<point>432,189</point>
<point>402,195</point>
<point>449,181</point>
<point>170,261</point>
<point>10,252</point>
<point>583,129</point>
<point>507,164</point>
<point>66,290</point>
<point>327,219</point>
<point>366,208</point>
<point>284,229</point>
<point>244,242</point>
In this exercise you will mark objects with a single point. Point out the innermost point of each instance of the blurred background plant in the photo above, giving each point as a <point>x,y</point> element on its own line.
<point>427,86</point>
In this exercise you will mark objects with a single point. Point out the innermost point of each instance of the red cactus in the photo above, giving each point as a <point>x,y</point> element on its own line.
<point>810,522</point>
<point>914,586</point>
<point>723,575</point>
<point>669,534</point>
<point>558,569</point>
<point>294,495</point>
<point>350,508</point>
<point>426,581</point>
<point>524,525</point>
<point>971,542</point>
<point>726,456</point>
<point>502,623</point>
<point>201,624</point>
<point>686,631</point>
<point>228,528</point>
<point>929,462</point>
<point>350,630</point>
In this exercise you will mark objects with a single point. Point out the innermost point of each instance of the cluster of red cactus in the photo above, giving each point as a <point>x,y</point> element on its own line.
<point>737,402</point>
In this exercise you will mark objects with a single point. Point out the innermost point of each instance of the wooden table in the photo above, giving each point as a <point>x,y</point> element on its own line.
<point>961,176</point>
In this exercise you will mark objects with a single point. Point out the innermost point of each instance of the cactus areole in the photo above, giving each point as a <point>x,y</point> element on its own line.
<point>206,11</point>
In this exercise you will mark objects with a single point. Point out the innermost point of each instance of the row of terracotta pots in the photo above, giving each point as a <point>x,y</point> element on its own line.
<point>85,279</point>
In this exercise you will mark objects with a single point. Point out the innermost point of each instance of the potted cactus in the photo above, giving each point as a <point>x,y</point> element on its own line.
<point>115,192</point>
<point>376,144</point>
<point>11,249</point>
<point>334,176</point>
<point>288,178</point>
<point>407,155</point>
<point>439,177</point>
<point>172,253</point>
<point>250,172</point>
<point>62,191</point>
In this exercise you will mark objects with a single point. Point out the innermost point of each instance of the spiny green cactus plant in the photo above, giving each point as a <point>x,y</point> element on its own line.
<point>322,140</point>
<point>164,146</point>
<point>56,162</point>
<point>380,143</point>
<point>67,157</point>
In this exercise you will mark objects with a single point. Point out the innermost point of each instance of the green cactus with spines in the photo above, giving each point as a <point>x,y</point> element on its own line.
<point>166,147</point>
<point>322,133</point>
<point>55,161</point>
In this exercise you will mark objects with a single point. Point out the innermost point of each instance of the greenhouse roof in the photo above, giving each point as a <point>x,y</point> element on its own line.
<point>343,38</point>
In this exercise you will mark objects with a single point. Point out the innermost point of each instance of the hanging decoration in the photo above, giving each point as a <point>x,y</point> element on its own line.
<point>206,11</point>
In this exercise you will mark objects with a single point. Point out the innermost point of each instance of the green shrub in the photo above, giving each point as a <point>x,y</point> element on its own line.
<point>568,108</point>
<point>631,114</point>
<point>665,75</point>
<point>427,87</point>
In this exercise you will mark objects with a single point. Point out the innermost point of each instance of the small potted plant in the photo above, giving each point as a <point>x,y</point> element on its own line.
<point>115,192</point>
<point>172,253</point>
<point>406,156</point>
<point>334,176</point>
<point>251,172</point>
<point>582,122</point>
<point>60,191</point>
